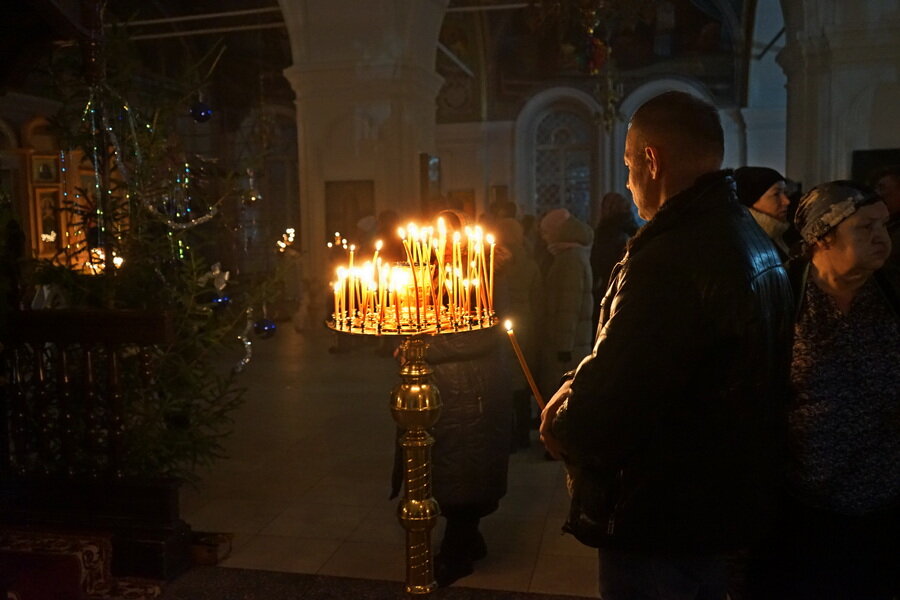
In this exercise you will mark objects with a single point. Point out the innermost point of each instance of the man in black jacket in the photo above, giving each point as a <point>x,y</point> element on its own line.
<point>673,425</point>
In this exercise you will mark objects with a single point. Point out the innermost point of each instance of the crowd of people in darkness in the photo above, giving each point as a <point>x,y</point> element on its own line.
<point>723,380</point>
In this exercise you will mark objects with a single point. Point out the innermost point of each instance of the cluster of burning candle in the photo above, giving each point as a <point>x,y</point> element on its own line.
<point>446,284</point>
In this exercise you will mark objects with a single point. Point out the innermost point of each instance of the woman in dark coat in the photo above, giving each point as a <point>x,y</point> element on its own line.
<point>472,439</point>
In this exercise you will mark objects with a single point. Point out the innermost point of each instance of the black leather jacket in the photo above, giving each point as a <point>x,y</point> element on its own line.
<point>676,419</point>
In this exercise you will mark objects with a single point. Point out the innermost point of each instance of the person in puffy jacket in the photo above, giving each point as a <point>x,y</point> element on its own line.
<point>568,301</point>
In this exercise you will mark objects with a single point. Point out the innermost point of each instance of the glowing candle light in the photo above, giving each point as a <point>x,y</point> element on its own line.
<point>457,267</point>
<point>476,287</point>
<point>342,280</point>
<point>469,239</point>
<point>337,301</point>
<point>448,282</point>
<point>433,274</point>
<point>370,295</point>
<point>382,299</point>
<point>352,291</point>
<point>525,370</point>
<point>465,300</point>
<point>397,308</point>
<point>378,246</point>
<point>491,241</point>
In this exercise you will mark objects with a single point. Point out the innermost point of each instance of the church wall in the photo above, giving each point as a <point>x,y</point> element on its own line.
<point>476,159</point>
<point>841,60</point>
<point>765,113</point>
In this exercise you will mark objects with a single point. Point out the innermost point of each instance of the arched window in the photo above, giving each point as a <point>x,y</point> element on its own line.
<point>564,159</point>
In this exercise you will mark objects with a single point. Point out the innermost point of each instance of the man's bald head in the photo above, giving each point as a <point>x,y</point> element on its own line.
<point>684,127</point>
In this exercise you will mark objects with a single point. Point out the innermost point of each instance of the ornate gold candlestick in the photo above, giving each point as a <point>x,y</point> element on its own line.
<point>445,287</point>
<point>415,406</point>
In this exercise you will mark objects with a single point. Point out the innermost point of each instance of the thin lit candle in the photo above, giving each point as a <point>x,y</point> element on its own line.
<point>523,364</point>
<point>491,241</point>
<point>337,288</point>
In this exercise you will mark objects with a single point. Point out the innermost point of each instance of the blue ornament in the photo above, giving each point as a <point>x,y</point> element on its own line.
<point>264,328</point>
<point>201,112</point>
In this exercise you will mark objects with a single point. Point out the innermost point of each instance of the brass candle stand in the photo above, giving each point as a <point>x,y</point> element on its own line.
<point>445,287</point>
<point>416,406</point>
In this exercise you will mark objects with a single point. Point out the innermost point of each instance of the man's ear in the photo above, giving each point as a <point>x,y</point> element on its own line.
<point>651,154</point>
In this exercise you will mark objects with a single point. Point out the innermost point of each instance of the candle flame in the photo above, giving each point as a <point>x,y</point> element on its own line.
<point>508,324</point>
<point>379,244</point>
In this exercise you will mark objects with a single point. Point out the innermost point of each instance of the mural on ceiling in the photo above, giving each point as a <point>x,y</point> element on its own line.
<point>529,51</point>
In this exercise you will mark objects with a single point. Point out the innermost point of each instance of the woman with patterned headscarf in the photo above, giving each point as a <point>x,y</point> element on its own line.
<point>841,530</point>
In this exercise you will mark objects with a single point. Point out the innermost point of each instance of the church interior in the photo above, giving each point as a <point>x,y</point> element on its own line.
<point>261,137</point>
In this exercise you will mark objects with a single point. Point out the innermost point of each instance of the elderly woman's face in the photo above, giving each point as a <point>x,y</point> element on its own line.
<point>861,241</point>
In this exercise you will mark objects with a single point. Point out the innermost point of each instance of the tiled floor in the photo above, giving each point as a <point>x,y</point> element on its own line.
<point>306,487</point>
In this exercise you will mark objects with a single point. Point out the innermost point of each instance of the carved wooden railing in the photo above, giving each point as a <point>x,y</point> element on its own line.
<point>64,427</point>
<point>64,372</point>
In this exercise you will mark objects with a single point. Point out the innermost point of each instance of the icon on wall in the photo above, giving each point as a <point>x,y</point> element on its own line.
<point>45,169</point>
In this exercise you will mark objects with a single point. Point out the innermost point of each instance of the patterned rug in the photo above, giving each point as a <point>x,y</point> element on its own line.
<point>220,583</point>
<point>91,553</point>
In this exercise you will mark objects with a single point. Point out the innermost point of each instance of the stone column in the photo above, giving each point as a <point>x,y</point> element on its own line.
<point>841,60</point>
<point>365,86</point>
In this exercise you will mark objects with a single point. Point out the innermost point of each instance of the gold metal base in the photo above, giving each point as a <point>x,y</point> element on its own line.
<point>415,406</point>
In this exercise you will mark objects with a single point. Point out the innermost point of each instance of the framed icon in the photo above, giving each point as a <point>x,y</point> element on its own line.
<point>44,169</point>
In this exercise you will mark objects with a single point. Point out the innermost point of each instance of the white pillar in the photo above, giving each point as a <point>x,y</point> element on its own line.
<point>365,87</point>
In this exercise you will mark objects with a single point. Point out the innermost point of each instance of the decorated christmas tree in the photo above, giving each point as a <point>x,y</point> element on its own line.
<point>144,221</point>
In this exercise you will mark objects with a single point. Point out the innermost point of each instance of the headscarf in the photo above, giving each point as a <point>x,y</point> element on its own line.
<point>753,182</point>
<point>552,223</point>
<point>509,232</point>
<point>827,205</point>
